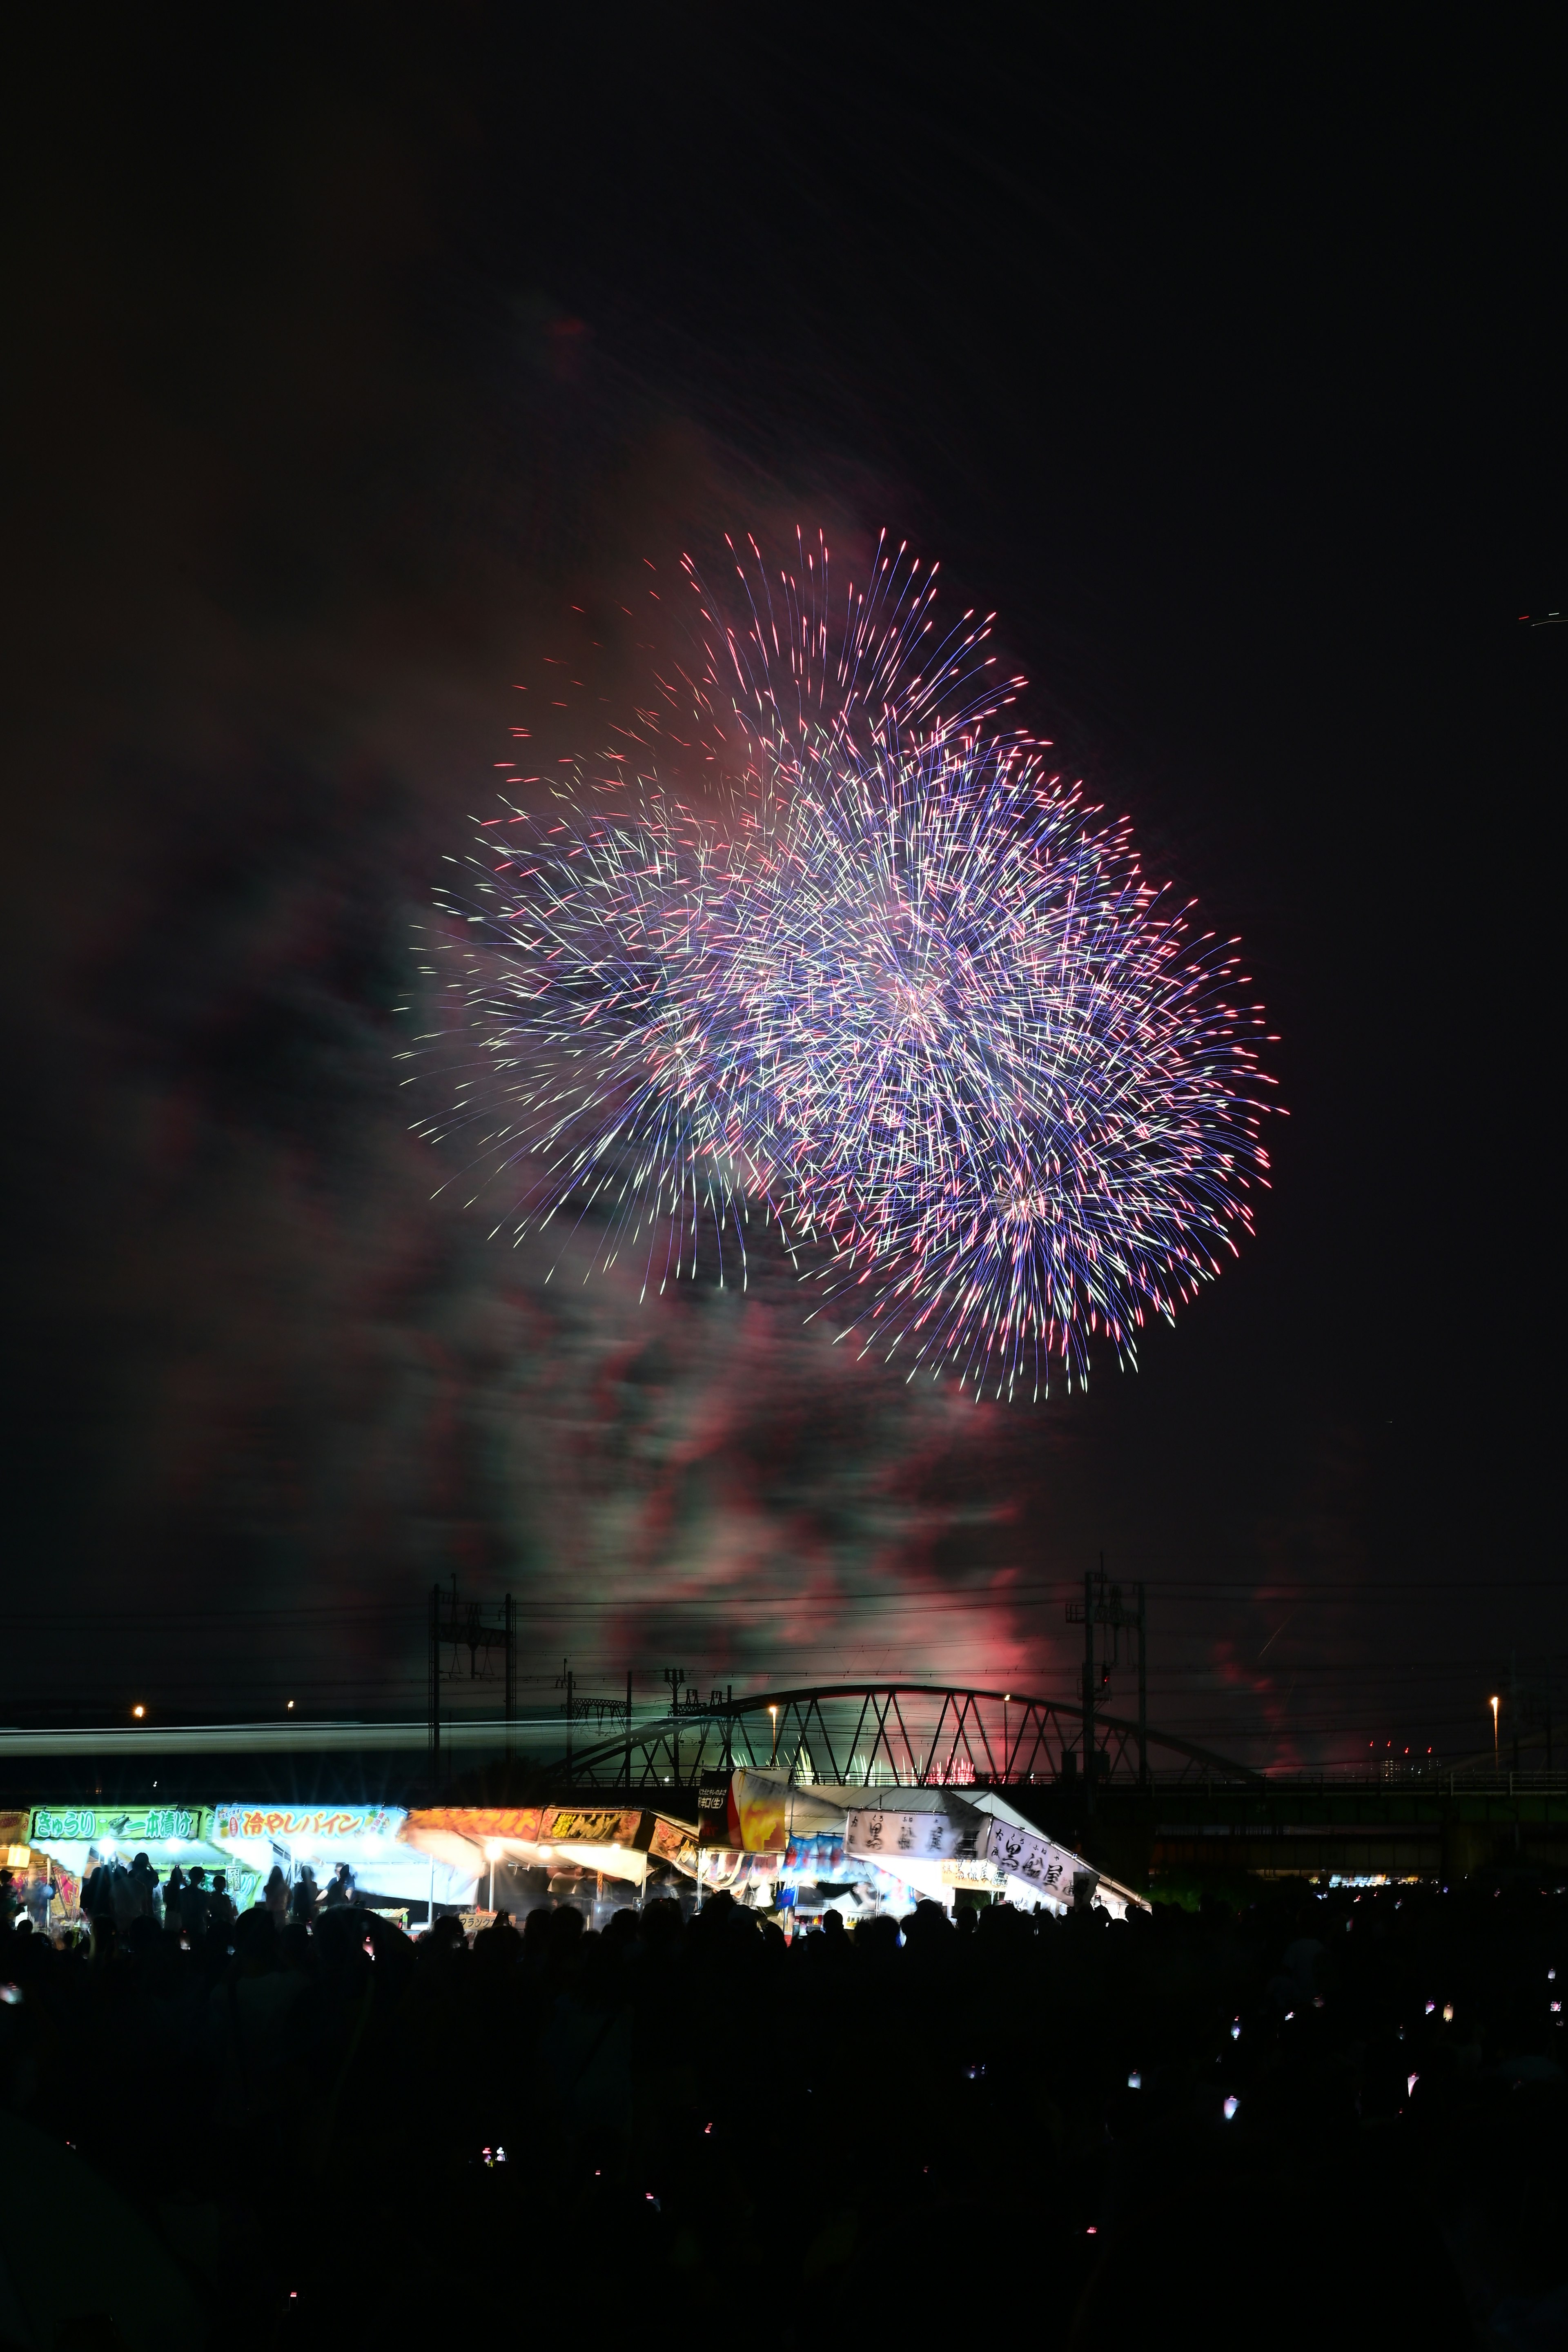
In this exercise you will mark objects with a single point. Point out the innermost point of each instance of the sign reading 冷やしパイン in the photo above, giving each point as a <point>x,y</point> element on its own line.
<point>322,1822</point>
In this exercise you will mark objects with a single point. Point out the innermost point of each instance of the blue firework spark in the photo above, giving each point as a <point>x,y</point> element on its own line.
<point>907,994</point>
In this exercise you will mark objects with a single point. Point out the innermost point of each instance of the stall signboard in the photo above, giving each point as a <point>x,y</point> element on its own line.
<point>672,1842</point>
<point>282,1823</point>
<point>818,1855</point>
<point>970,1872</point>
<point>716,1869</point>
<point>524,1822</point>
<point>537,1824</point>
<point>334,1824</point>
<point>745,1812</point>
<point>891,1838</point>
<point>132,1826</point>
<point>1021,1854</point>
<point>569,1825</point>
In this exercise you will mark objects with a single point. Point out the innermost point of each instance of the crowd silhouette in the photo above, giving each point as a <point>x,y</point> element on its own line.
<point>1319,2116</point>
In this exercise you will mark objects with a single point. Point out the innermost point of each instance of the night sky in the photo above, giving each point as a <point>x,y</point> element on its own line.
<point>1221,353</point>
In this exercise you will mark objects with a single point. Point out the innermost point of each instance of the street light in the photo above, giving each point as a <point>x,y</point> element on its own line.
<point>774,1712</point>
<point>1494,1735</point>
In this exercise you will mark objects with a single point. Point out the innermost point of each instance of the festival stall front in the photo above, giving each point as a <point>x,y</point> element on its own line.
<point>387,1873</point>
<point>74,1836</point>
<point>771,1844</point>
<point>42,1889</point>
<point>603,1853</point>
<point>829,1847</point>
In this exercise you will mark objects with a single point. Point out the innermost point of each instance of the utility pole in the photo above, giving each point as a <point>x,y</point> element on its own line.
<point>1088,1695</point>
<point>675,1676</point>
<point>435,1694</point>
<point>1548,1715</point>
<point>478,1629</point>
<point>1513,1700</point>
<point>1103,1605</point>
<point>566,1680</point>
<point>1143,1692</point>
<point>509,1701</point>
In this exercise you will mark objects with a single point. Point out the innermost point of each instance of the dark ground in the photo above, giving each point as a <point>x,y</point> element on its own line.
<point>703,2130</point>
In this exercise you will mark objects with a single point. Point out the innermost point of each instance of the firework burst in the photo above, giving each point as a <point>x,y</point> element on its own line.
<point>907,995</point>
<point>590,1015</point>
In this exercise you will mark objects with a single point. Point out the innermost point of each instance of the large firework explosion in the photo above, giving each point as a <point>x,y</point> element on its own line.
<point>904,994</point>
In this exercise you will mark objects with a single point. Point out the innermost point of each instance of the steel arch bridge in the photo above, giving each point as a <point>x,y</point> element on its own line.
<point>912,1735</point>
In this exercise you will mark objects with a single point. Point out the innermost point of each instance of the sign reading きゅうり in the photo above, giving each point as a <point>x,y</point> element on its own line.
<point>128,1825</point>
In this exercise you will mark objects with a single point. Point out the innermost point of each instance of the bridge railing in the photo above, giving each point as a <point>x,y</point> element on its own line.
<point>902,1735</point>
<point>1457,1780</point>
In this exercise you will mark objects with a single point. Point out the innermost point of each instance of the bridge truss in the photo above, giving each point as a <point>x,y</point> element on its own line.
<point>910,1735</point>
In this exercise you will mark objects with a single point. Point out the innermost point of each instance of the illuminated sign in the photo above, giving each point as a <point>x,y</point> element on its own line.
<point>1036,1859</point>
<point>525,1822</point>
<point>127,1825</point>
<point>969,1874</point>
<point>744,1812</point>
<point>1059,1874</point>
<point>333,1824</point>
<point>569,1828</point>
<point>535,1824</point>
<point>892,1838</point>
<point>672,1843</point>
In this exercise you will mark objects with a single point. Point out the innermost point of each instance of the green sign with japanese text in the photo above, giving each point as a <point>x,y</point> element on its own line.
<point>129,1827</point>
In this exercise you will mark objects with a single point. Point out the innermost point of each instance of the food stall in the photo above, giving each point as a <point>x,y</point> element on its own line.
<point>72,1835</point>
<point>599,1855</point>
<point>856,1849</point>
<point>388,1873</point>
<point>42,1890</point>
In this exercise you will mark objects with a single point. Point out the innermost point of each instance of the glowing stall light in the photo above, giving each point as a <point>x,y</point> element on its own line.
<point>906,997</point>
<point>1231,2104</point>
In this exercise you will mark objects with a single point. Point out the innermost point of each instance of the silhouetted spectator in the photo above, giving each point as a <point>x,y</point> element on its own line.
<point>275,1896</point>
<point>96,1888</point>
<point>303,1902</point>
<point>220,1910</point>
<point>195,1905</point>
<point>142,1885</point>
